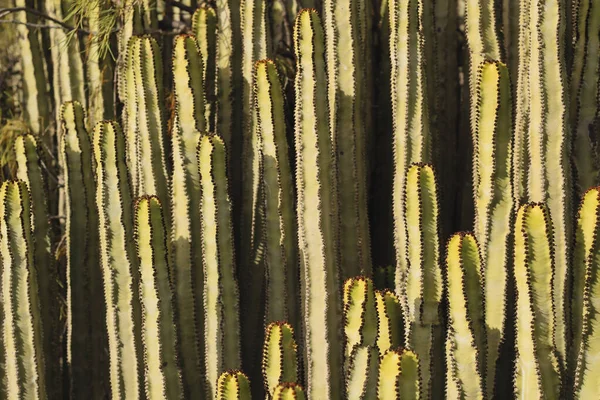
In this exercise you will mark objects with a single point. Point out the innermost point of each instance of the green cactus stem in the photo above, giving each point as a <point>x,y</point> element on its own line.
<point>360,314</point>
<point>363,371</point>
<point>159,337</point>
<point>233,385</point>
<point>317,212</point>
<point>342,22</point>
<point>24,354</point>
<point>280,359</point>
<point>289,391</point>
<point>390,331</point>
<point>188,277</point>
<point>537,371</point>
<point>131,24</point>
<point>118,260</point>
<point>221,303</point>
<point>398,376</point>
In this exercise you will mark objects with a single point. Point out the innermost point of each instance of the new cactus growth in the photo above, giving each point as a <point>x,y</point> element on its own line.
<point>360,315</point>
<point>363,370</point>
<point>280,363</point>
<point>398,376</point>
<point>233,385</point>
<point>390,329</point>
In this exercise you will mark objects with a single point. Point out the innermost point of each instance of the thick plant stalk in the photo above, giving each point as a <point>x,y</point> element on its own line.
<point>317,213</point>
<point>23,325</point>
<point>159,337</point>
<point>493,199</point>
<point>584,99</point>
<point>150,120</point>
<point>131,24</point>
<point>363,371</point>
<point>289,391</point>
<point>280,359</point>
<point>221,304</point>
<point>360,314</point>
<point>188,277</point>
<point>537,369</point>
<point>86,323</point>
<point>204,27</point>
<point>233,385</point>
<point>390,330</point>
<point>118,260</point>
<point>466,316</point>
<point>281,253</point>
<point>347,94</point>
<point>548,141</point>
<point>100,71</point>
<point>35,105</point>
<point>411,135</point>
<point>398,376</point>
<point>424,278</point>
<point>586,291</point>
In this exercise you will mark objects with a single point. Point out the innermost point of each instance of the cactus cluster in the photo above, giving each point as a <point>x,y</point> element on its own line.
<point>289,199</point>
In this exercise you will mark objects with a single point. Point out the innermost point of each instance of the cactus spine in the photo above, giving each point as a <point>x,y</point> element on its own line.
<point>118,260</point>
<point>347,126</point>
<point>537,370</point>
<point>424,278</point>
<point>188,277</point>
<point>281,255</point>
<point>317,212</point>
<point>233,385</point>
<point>22,330</point>
<point>279,362</point>
<point>159,338</point>
<point>398,376</point>
<point>361,381</point>
<point>86,322</point>
<point>493,198</point>
<point>221,309</point>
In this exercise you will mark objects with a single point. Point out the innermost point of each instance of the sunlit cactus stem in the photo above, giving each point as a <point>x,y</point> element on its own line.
<point>22,338</point>
<point>289,391</point>
<point>159,337</point>
<point>317,213</point>
<point>233,385</point>
<point>390,328</point>
<point>118,260</point>
<point>360,315</point>
<point>280,362</point>
<point>537,371</point>
<point>362,374</point>
<point>221,303</point>
<point>398,376</point>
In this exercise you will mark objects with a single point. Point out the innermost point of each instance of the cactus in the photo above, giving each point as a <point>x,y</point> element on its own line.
<point>361,380</point>
<point>537,369</point>
<point>398,376</point>
<point>466,316</point>
<point>221,308</point>
<point>360,314</point>
<point>24,354</point>
<point>118,260</point>
<point>289,391</point>
<point>233,385</point>
<point>424,278</point>
<point>279,362</point>
<point>390,334</point>
<point>188,277</point>
<point>162,375</point>
<point>317,212</point>
<point>342,21</point>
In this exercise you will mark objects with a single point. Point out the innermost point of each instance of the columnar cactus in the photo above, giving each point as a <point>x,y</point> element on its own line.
<point>362,374</point>
<point>360,314</point>
<point>317,212</point>
<point>279,363</point>
<point>390,329</point>
<point>398,376</point>
<point>233,385</point>
<point>22,339</point>
<point>289,391</point>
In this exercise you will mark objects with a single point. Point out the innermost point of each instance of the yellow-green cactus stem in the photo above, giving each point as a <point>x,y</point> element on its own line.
<point>363,370</point>
<point>537,369</point>
<point>221,304</point>
<point>289,391</point>
<point>233,385</point>
<point>411,136</point>
<point>452,390</point>
<point>130,112</point>
<point>423,281</point>
<point>584,92</point>
<point>151,122</point>
<point>131,24</point>
<point>86,322</point>
<point>346,94</point>
<point>118,261</point>
<point>204,27</point>
<point>159,337</point>
<point>466,315</point>
<point>360,314</point>
<point>549,142</point>
<point>317,213</point>
<point>586,298</point>
<point>281,254</point>
<point>188,277</point>
<point>398,376</point>
<point>24,354</point>
<point>390,332</point>
<point>280,359</point>
<point>493,199</point>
